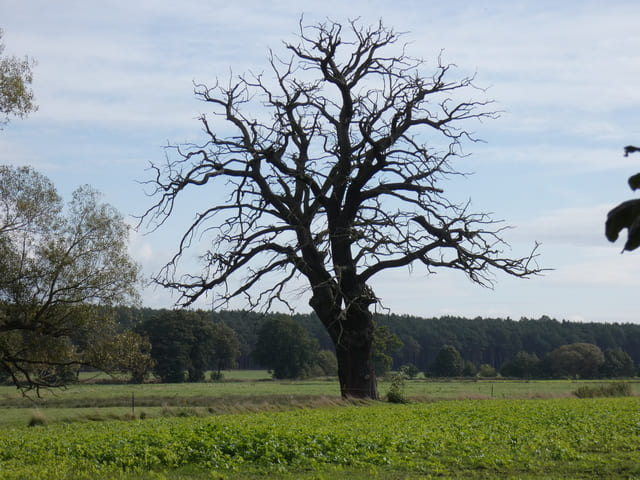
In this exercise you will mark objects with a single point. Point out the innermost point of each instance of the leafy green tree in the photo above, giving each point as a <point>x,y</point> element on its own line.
<point>16,97</point>
<point>410,351</point>
<point>171,339</point>
<point>385,343</point>
<point>410,370</point>
<point>182,342</point>
<point>347,123</point>
<point>617,363</point>
<point>226,347</point>
<point>523,365</point>
<point>128,352</point>
<point>202,343</point>
<point>58,268</point>
<point>486,370</point>
<point>284,347</point>
<point>581,360</point>
<point>448,363</point>
<point>470,369</point>
<point>327,362</point>
<point>245,324</point>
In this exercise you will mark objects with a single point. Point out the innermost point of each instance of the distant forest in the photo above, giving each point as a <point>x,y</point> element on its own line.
<point>489,341</point>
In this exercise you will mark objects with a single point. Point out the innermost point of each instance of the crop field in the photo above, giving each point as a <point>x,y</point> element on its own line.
<point>252,427</point>
<point>553,438</point>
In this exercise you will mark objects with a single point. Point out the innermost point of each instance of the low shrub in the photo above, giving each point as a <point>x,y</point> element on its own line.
<point>486,371</point>
<point>37,419</point>
<point>396,390</point>
<point>410,370</point>
<point>617,389</point>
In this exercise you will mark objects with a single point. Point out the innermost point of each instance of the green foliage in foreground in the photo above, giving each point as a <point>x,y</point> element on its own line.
<point>596,438</point>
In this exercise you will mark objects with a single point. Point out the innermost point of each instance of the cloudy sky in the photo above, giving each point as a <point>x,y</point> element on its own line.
<point>114,83</point>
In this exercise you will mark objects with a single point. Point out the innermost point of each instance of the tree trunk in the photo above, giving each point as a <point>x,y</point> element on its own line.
<point>355,368</point>
<point>352,335</point>
<point>351,330</point>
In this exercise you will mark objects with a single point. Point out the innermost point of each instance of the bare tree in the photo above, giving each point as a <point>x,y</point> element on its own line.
<point>335,180</point>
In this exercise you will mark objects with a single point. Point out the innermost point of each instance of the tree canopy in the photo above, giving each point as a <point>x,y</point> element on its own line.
<point>523,365</point>
<point>172,340</point>
<point>226,347</point>
<point>448,363</point>
<point>577,360</point>
<point>59,265</point>
<point>385,343</point>
<point>332,167</point>
<point>617,363</point>
<point>285,348</point>
<point>16,96</point>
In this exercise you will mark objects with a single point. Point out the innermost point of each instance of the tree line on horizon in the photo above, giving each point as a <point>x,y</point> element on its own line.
<point>524,347</point>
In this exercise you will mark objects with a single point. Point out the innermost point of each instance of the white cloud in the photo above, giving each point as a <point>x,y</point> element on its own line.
<point>602,268</point>
<point>575,227</point>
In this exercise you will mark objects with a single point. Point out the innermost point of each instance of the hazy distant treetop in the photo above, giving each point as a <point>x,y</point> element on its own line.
<point>16,96</point>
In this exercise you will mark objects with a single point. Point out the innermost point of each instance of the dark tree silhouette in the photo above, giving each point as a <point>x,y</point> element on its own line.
<point>285,347</point>
<point>181,341</point>
<point>226,348</point>
<point>577,360</point>
<point>448,363</point>
<point>627,214</point>
<point>334,178</point>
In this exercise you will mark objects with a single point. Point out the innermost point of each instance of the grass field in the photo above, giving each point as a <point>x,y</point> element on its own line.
<point>249,426</point>
<point>244,391</point>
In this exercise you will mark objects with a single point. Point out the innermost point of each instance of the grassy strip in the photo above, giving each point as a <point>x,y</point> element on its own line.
<point>195,407</point>
<point>166,392</point>
<point>102,402</point>
<point>100,395</point>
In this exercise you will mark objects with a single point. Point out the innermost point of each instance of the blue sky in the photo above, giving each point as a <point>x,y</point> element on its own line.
<point>114,83</point>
